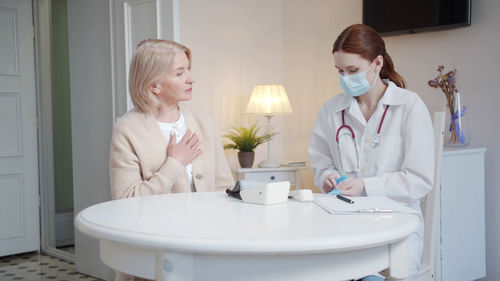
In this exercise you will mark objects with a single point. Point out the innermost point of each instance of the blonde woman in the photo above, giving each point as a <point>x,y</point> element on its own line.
<point>161,146</point>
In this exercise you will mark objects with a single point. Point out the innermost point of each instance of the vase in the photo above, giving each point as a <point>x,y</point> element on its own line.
<point>457,130</point>
<point>246,159</point>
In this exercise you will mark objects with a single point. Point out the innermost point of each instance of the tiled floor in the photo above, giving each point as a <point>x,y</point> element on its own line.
<point>38,267</point>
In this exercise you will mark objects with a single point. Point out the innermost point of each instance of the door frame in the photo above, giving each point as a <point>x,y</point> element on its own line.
<point>43,66</point>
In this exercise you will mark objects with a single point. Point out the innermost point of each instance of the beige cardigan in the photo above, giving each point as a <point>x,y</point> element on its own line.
<point>139,164</point>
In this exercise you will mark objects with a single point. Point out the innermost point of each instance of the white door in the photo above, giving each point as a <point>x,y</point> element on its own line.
<point>19,220</point>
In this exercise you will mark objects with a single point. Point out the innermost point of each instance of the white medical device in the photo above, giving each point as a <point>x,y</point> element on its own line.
<point>266,193</point>
<point>302,195</point>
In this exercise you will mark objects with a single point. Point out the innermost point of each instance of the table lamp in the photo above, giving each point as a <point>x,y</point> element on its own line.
<point>269,100</point>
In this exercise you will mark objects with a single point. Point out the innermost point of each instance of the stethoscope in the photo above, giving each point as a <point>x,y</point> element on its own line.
<point>375,140</point>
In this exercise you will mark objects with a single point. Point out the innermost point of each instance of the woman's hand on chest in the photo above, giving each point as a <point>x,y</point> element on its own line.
<point>188,149</point>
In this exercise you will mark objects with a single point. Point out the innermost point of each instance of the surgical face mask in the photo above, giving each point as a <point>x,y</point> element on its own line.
<point>356,84</point>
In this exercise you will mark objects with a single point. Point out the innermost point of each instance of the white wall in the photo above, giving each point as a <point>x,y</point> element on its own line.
<point>310,76</point>
<point>91,118</point>
<point>237,44</point>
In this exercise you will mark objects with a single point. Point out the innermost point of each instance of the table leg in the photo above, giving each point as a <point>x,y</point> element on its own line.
<point>398,261</point>
<point>172,266</point>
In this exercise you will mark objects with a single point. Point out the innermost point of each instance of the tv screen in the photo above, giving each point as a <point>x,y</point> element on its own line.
<point>389,17</point>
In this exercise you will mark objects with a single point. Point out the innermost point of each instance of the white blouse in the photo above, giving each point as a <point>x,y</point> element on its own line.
<point>179,128</point>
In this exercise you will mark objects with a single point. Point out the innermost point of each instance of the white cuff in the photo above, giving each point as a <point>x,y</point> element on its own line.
<point>374,186</point>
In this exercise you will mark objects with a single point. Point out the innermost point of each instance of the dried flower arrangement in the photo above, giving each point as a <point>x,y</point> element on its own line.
<point>447,84</point>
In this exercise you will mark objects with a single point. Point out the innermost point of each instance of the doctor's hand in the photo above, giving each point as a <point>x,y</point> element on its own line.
<point>352,188</point>
<point>186,150</point>
<point>330,182</point>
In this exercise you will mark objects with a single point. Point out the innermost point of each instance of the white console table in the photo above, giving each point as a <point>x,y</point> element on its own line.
<point>462,216</point>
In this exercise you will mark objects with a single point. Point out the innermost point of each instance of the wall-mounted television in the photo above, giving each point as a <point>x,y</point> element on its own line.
<point>391,17</point>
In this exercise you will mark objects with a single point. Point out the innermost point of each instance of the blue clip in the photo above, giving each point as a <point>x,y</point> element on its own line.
<point>341,179</point>
<point>335,191</point>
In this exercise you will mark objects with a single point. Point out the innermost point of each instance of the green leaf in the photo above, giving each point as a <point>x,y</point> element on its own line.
<point>246,139</point>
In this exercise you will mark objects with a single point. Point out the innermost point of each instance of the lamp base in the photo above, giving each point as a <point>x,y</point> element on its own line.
<point>268,164</point>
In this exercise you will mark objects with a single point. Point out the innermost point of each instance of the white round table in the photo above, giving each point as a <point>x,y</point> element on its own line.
<point>210,236</point>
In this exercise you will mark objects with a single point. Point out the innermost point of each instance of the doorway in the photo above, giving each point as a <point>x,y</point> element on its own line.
<point>56,168</point>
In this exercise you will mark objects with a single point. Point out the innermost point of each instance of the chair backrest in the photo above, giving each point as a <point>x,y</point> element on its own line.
<point>432,204</point>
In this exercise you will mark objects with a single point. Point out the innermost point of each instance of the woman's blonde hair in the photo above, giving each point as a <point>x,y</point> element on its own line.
<point>153,59</point>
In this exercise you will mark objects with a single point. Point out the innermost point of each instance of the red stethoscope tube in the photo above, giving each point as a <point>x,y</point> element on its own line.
<point>352,131</point>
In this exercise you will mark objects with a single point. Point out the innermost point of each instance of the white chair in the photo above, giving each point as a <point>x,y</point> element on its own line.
<point>431,207</point>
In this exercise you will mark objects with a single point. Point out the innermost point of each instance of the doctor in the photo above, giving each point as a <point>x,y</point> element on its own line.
<point>376,133</point>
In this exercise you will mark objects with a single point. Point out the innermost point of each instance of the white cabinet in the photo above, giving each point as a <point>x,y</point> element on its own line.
<point>290,174</point>
<point>462,216</point>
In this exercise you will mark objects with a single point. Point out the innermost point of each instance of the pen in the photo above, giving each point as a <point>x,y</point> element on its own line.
<point>345,199</point>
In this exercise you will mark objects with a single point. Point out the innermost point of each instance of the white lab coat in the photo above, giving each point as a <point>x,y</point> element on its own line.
<point>401,167</point>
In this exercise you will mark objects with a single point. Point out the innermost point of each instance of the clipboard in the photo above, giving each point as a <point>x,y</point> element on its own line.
<point>362,205</point>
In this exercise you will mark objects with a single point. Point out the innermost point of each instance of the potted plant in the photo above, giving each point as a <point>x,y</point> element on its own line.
<point>246,140</point>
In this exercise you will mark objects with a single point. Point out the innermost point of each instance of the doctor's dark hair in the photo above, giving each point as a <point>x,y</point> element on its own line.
<point>365,41</point>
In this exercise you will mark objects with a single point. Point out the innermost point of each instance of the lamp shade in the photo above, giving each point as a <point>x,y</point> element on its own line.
<point>269,100</point>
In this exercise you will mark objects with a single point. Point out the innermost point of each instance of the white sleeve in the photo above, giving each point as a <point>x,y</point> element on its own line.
<point>320,154</point>
<point>415,179</point>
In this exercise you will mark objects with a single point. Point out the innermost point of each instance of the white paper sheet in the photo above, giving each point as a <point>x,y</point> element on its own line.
<point>362,205</point>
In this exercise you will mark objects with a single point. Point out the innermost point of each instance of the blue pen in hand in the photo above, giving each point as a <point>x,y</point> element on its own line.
<point>336,191</point>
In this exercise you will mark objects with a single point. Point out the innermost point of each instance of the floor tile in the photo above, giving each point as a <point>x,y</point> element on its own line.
<point>39,267</point>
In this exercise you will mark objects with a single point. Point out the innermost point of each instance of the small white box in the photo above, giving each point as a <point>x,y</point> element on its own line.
<point>268,194</point>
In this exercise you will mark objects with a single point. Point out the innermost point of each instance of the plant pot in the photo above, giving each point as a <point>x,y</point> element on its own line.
<point>246,159</point>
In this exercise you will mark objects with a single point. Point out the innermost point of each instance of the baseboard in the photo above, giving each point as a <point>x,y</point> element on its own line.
<point>65,229</point>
